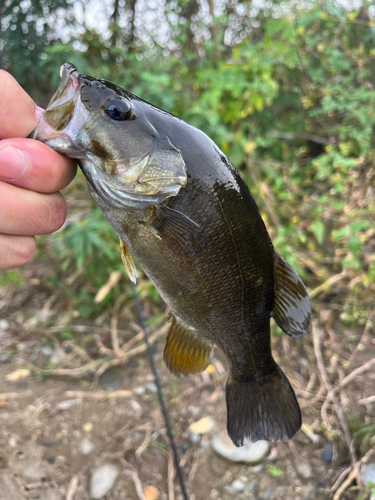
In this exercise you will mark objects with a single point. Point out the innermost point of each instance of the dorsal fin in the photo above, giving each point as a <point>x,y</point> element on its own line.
<point>186,351</point>
<point>128,261</point>
<point>292,311</point>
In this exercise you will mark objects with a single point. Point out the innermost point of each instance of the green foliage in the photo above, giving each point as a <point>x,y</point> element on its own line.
<point>11,277</point>
<point>274,471</point>
<point>289,98</point>
<point>84,238</point>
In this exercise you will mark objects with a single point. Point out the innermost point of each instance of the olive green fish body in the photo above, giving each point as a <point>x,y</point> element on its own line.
<point>185,213</point>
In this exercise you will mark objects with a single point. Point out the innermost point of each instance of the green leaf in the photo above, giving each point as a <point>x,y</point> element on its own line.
<point>318,229</point>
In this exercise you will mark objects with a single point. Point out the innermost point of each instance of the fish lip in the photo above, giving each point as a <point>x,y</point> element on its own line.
<point>64,115</point>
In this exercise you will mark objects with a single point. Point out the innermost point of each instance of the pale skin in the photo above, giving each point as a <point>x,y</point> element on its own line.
<point>31,176</point>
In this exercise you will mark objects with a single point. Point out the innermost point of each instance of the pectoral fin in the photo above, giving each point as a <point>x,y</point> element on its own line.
<point>128,261</point>
<point>292,311</point>
<point>178,231</point>
<point>186,351</point>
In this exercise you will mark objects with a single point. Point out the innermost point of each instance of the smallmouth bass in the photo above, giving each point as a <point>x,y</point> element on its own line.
<point>184,212</point>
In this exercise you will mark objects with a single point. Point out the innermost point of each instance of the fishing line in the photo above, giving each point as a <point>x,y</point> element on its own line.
<point>160,395</point>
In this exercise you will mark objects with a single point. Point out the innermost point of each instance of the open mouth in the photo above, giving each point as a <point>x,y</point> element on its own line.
<point>65,114</point>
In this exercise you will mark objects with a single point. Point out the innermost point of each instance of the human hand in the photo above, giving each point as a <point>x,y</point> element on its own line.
<point>31,174</point>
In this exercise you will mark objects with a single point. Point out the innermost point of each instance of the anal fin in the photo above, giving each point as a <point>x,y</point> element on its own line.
<point>186,351</point>
<point>128,261</point>
<point>292,311</point>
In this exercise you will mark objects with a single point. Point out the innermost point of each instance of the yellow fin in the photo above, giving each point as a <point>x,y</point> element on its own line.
<point>186,351</point>
<point>128,261</point>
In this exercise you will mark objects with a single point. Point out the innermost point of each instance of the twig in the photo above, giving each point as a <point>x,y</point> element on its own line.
<point>340,479</point>
<point>100,366</point>
<point>124,357</point>
<point>340,415</point>
<point>324,287</point>
<point>298,135</point>
<point>367,327</point>
<point>354,473</point>
<point>345,381</point>
<point>146,442</point>
<point>80,270</point>
<point>171,475</point>
<point>99,394</point>
<point>72,488</point>
<point>135,478</point>
<point>366,401</point>
<point>114,320</point>
<point>10,396</point>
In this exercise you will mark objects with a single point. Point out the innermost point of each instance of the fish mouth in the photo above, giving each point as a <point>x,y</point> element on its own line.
<point>65,115</point>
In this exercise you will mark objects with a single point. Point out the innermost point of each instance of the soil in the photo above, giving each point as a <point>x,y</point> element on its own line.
<point>48,411</point>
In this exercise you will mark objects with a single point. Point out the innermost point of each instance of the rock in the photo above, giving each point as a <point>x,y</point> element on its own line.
<point>202,426</point>
<point>102,480</point>
<point>248,454</point>
<point>110,380</point>
<point>32,472</point>
<point>257,469</point>
<point>5,357</point>
<point>193,437</point>
<point>327,453</point>
<point>85,447</point>
<point>4,325</point>
<point>47,351</point>
<point>368,474</point>
<point>251,486</point>
<point>151,388</point>
<point>138,391</point>
<point>304,470</point>
<point>134,406</point>
<point>151,493</point>
<point>237,485</point>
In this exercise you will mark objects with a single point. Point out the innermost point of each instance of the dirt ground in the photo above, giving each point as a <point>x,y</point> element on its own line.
<point>71,400</point>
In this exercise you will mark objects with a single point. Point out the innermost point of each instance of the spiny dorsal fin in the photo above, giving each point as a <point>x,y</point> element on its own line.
<point>178,231</point>
<point>186,351</point>
<point>292,310</point>
<point>128,261</point>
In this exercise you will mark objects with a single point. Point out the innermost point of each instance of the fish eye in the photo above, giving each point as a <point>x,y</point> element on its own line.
<point>117,109</point>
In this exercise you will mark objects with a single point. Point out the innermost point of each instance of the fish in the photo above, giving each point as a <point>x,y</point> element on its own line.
<point>185,214</point>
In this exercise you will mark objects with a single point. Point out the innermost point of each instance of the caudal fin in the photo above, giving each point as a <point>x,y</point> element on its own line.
<point>263,409</point>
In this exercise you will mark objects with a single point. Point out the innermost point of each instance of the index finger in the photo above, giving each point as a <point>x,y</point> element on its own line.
<point>18,112</point>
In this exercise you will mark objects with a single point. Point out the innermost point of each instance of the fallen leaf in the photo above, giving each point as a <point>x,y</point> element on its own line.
<point>202,426</point>
<point>150,492</point>
<point>17,375</point>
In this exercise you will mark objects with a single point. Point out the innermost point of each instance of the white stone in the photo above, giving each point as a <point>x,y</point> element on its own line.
<point>85,447</point>
<point>248,454</point>
<point>102,481</point>
<point>237,485</point>
<point>304,470</point>
<point>368,472</point>
<point>4,325</point>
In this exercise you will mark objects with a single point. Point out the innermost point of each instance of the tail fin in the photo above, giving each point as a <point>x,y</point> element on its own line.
<point>263,409</point>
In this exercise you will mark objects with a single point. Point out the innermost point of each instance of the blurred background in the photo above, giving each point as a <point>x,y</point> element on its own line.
<point>287,91</point>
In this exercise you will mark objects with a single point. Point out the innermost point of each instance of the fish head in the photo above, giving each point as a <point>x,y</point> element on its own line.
<point>125,159</point>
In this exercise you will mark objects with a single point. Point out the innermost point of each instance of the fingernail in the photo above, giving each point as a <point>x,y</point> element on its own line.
<point>38,112</point>
<point>13,163</point>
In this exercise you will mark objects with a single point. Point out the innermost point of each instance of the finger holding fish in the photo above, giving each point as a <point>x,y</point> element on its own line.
<point>31,174</point>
